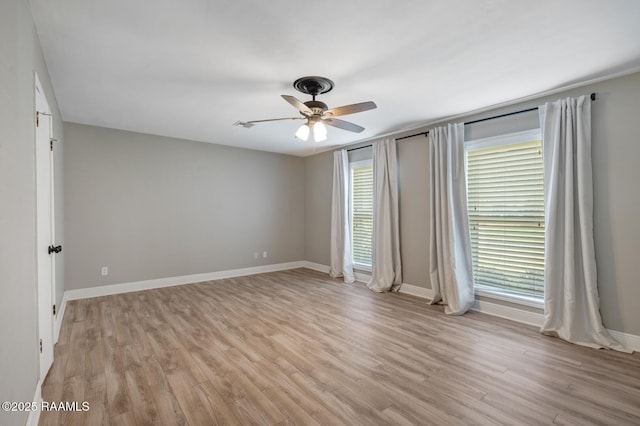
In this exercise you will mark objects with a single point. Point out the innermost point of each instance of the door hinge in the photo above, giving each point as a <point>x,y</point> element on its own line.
<point>40,345</point>
<point>54,309</point>
<point>38,113</point>
<point>51,144</point>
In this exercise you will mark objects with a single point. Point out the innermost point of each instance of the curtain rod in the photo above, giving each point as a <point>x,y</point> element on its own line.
<point>397,139</point>
<point>411,136</point>
<point>593,98</point>
<point>360,147</point>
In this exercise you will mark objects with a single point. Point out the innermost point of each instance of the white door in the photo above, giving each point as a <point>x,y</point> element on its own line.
<point>44,228</point>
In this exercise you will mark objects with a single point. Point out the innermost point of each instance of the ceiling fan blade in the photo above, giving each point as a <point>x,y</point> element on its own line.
<point>341,124</point>
<point>297,104</point>
<point>350,109</point>
<point>248,124</point>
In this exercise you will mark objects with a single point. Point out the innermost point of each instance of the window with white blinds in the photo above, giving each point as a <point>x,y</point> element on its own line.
<point>505,189</point>
<point>362,211</point>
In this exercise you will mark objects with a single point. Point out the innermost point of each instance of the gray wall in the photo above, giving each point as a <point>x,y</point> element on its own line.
<point>154,207</point>
<point>413,178</point>
<point>616,150</point>
<point>20,55</point>
<point>318,186</point>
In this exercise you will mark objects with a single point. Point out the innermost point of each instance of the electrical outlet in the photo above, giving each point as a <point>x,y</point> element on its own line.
<point>104,271</point>
<point>264,254</point>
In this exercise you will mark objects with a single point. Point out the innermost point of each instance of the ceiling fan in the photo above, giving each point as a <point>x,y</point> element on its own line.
<point>317,113</point>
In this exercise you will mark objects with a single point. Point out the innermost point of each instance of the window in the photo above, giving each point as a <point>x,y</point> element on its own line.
<point>361,212</point>
<point>505,189</point>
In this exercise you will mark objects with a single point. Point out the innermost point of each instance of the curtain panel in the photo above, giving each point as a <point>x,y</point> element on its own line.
<point>341,258</point>
<point>571,300</point>
<point>386,268</point>
<point>450,261</point>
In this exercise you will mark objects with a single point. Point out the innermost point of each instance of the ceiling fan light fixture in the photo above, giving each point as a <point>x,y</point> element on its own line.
<point>319,132</point>
<point>303,132</point>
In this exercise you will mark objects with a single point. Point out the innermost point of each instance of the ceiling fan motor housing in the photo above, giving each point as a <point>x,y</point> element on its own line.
<point>317,107</point>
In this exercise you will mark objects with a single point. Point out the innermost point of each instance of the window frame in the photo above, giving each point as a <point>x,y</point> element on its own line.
<point>496,142</point>
<point>357,165</point>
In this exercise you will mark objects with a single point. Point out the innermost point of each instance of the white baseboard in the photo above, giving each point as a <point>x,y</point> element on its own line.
<point>508,312</point>
<point>108,290</point>
<point>316,267</point>
<point>359,276</point>
<point>414,290</point>
<point>34,416</point>
<point>630,341</point>
<point>362,277</point>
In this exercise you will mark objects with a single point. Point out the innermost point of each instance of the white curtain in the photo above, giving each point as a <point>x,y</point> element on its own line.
<point>341,259</point>
<point>386,269</point>
<point>450,269</point>
<point>571,302</point>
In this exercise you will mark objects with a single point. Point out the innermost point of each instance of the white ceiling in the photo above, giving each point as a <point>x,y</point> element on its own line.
<point>191,68</point>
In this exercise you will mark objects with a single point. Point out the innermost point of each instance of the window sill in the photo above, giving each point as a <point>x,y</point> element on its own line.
<point>509,297</point>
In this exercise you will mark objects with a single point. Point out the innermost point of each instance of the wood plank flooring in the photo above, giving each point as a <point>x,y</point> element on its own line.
<point>297,347</point>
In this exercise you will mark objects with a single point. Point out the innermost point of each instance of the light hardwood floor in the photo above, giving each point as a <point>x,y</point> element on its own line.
<point>296,347</point>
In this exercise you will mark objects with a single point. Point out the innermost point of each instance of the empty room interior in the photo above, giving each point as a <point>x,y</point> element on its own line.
<point>403,213</point>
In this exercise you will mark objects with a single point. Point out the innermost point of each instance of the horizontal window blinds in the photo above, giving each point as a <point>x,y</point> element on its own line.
<point>506,217</point>
<point>362,213</point>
